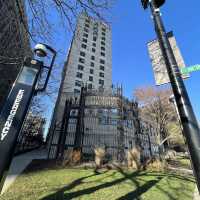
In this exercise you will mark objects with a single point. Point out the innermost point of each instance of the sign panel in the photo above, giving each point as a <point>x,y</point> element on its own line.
<point>187,70</point>
<point>13,114</point>
<point>158,62</point>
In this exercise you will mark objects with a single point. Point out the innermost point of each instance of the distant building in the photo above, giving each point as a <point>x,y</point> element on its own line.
<point>14,43</point>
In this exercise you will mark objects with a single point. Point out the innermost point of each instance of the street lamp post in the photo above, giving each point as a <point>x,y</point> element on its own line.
<point>17,104</point>
<point>186,113</point>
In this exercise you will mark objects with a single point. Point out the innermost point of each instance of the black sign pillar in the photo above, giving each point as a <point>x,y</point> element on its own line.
<point>14,111</point>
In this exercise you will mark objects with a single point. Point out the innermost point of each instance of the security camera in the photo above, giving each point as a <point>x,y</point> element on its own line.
<point>40,50</point>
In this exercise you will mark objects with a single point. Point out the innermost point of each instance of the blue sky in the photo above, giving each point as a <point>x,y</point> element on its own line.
<point>132,28</point>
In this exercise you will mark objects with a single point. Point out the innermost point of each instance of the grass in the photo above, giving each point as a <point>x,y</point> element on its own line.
<point>184,161</point>
<point>83,184</point>
<point>181,162</point>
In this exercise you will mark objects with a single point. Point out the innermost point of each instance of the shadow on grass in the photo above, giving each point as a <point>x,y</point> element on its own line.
<point>134,177</point>
<point>42,165</point>
<point>59,195</point>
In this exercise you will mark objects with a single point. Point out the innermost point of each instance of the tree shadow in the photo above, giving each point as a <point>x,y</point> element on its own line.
<point>140,185</point>
<point>59,195</point>
<point>140,190</point>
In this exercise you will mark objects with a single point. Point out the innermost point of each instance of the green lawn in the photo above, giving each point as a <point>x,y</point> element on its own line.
<point>108,185</point>
<point>184,161</point>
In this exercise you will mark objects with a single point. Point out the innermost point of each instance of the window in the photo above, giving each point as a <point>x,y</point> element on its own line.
<point>94,44</point>
<point>93,50</point>
<point>78,83</point>
<point>82,53</point>
<point>86,30</point>
<point>102,61</point>
<point>102,67</point>
<point>103,38</point>
<point>103,29</point>
<point>92,58</point>
<point>80,67</point>
<point>92,64</point>
<point>94,39</point>
<point>84,46</point>
<point>103,33</point>
<point>95,25</point>
<point>102,54</point>
<point>101,82</point>
<point>84,40</point>
<point>90,78</point>
<point>95,33</point>
<point>76,91</point>
<point>101,74</point>
<point>87,20</point>
<point>79,75</point>
<point>103,48</point>
<point>81,60</point>
<point>103,43</point>
<point>90,86</point>
<point>87,25</point>
<point>85,35</point>
<point>91,71</point>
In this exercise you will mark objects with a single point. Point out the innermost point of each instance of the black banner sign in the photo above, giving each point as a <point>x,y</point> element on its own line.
<point>13,114</point>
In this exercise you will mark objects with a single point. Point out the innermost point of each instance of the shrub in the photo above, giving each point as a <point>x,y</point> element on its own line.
<point>99,156</point>
<point>154,164</point>
<point>133,157</point>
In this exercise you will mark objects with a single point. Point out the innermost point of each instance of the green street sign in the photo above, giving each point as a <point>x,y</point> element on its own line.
<point>187,70</point>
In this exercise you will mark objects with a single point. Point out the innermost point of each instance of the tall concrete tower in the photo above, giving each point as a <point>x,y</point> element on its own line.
<point>89,61</point>
<point>90,58</point>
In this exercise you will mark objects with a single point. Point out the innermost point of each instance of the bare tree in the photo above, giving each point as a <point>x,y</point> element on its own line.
<point>42,14</point>
<point>156,108</point>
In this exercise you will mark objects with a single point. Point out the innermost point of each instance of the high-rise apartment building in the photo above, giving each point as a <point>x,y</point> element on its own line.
<point>89,61</point>
<point>14,43</point>
<point>100,115</point>
<point>90,58</point>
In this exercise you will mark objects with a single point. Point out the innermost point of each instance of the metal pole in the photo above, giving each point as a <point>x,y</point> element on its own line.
<point>186,113</point>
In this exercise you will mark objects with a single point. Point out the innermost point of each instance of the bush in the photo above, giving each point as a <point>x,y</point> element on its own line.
<point>99,156</point>
<point>154,164</point>
<point>72,157</point>
<point>133,157</point>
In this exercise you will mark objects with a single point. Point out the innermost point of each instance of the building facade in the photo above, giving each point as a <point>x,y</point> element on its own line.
<point>90,59</point>
<point>14,43</point>
<point>101,118</point>
<point>96,114</point>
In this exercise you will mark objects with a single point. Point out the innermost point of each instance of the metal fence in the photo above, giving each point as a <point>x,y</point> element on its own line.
<point>102,119</point>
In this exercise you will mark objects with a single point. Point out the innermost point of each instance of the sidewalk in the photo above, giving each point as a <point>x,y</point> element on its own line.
<point>187,171</point>
<point>19,163</point>
<point>196,194</point>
